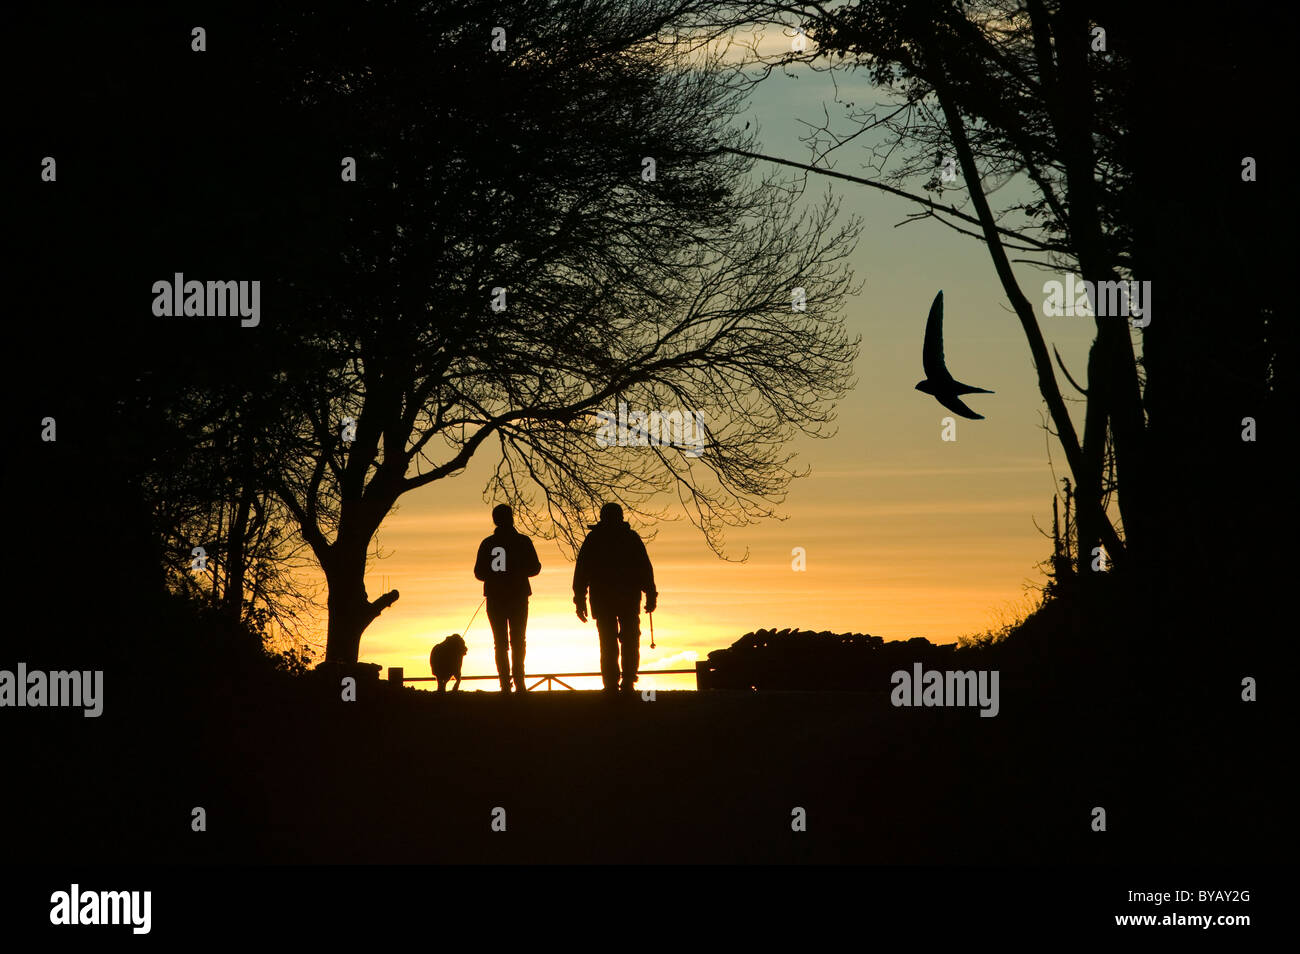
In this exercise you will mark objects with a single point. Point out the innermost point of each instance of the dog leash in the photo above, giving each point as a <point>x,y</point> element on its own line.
<point>472,618</point>
<point>652,629</point>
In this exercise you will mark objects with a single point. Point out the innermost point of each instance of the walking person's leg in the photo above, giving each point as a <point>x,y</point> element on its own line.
<point>607,629</point>
<point>497,618</point>
<point>518,627</point>
<point>629,637</point>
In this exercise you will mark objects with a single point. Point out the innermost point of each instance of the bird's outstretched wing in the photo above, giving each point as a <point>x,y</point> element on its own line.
<point>932,353</point>
<point>955,404</point>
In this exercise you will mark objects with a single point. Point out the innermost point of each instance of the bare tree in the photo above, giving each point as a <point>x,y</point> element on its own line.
<point>1004,91</point>
<point>572,237</point>
<point>215,449</point>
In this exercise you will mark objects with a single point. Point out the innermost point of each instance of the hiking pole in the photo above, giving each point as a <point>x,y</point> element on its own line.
<point>652,629</point>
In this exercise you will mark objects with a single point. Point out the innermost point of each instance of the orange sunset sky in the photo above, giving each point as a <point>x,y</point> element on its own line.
<point>905,534</point>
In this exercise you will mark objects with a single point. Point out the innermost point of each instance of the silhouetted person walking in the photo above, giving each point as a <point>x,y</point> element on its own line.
<point>614,564</point>
<point>505,562</point>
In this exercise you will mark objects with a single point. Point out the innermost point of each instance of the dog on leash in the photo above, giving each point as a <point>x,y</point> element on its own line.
<point>445,661</point>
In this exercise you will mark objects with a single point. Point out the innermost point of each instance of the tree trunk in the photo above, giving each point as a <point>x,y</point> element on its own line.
<point>237,558</point>
<point>1113,387</point>
<point>350,609</point>
<point>1088,504</point>
<point>347,618</point>
<point>1087,482</point>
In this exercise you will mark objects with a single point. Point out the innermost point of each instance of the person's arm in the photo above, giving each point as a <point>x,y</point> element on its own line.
<point>481,562</point>
<point>581,578</point>
<point>581,574</point>
<point>534,564</point>
<point>648,578</point>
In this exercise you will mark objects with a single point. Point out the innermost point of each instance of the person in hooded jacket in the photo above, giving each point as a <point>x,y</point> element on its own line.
<point>614,567</point>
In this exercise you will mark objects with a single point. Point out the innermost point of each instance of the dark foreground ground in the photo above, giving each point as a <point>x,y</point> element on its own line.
<point>287,772</point>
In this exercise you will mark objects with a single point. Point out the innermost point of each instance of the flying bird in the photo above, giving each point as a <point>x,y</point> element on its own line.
<point>938,382</point>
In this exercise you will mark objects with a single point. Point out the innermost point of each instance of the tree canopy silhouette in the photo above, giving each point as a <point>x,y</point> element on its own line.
<point>1067,100</point>
<point>538,234</point>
